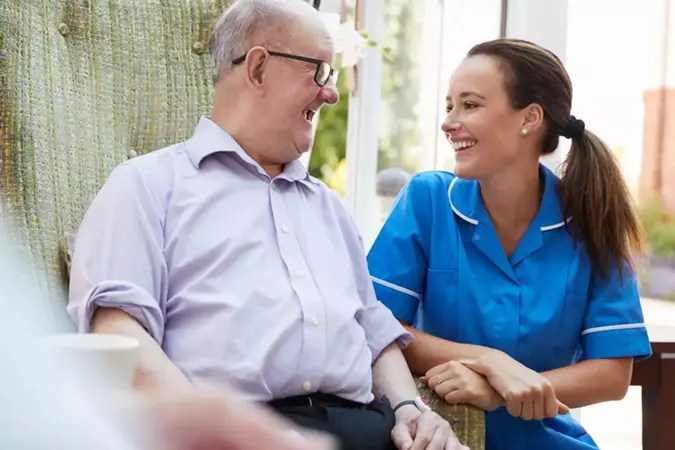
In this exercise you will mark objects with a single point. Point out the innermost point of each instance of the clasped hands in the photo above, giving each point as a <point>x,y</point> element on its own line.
<point>496,380</point>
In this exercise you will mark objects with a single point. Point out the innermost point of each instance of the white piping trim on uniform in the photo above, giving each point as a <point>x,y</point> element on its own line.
<point>475,222</point>
<point>627,326</point>
<point>557,225</point>
<point>468,219</point>
<point>397,288</point>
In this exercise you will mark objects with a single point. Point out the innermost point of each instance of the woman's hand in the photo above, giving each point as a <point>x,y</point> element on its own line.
<point>456,383</point>
<point>527,394</point>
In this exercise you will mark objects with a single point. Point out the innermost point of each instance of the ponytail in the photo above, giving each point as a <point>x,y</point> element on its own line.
<point>593,192</point>
<point>595,196</point>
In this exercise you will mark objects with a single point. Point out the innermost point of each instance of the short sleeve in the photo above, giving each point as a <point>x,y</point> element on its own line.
<point>397,260</point>
<point>614,325</point>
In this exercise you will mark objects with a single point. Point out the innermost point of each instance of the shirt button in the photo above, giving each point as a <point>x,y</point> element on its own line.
<point>314,320</point>
<point>285,229</point>
<point>307,386</point>
<point>476,237</point>
<point>299,273</point>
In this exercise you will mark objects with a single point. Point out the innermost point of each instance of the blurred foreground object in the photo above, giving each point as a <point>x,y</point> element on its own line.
<point>47,405</point>
<point>42,408</point>
<point>109,360</point>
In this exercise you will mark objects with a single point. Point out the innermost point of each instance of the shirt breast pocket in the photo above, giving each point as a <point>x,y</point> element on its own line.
<point>440,304</point>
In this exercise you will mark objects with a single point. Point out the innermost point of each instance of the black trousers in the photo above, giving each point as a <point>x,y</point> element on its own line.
<point>356,426</point>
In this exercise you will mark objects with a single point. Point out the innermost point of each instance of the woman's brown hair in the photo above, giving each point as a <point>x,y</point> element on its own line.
<point>593,191</point>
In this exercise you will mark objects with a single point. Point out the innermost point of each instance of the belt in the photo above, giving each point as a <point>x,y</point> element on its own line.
<point>317,399</point>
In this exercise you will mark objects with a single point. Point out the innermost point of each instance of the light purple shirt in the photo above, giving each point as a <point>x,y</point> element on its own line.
<point>261,283</point>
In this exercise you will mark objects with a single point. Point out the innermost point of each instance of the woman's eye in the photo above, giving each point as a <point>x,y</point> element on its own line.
<point>466,105</point>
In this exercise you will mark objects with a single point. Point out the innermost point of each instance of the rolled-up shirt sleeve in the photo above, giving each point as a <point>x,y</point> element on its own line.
<point>118,259</point>
<point>614,325</point>
<point>380,326</point>
<point>379,323</point>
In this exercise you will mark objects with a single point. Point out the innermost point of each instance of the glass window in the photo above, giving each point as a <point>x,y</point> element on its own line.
<point>427,41</point>
<point>610,67</point>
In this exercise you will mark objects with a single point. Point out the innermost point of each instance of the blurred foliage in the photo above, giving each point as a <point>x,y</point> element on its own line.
<point>330,142</point>
<point>400,93</point>
<point>400,86</point>
<point>619,150</point>
<point>659,225</point>
<point>339,179</point>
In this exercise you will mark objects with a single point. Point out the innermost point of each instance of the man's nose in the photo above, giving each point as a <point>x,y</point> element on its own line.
<point>329,93</point>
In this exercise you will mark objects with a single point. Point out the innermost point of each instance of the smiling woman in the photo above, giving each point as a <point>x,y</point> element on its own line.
<point>517,285</point>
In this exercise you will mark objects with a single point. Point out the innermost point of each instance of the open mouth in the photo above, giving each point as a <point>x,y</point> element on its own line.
<point>460,146</point>
<point>309,115</point>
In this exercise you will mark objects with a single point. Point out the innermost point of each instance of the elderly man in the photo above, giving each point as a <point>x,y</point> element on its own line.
<point>229,263</point>
<point>39,394</point>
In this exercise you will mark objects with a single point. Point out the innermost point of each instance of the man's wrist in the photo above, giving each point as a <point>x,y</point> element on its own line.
<point>407,413</point>
<point>418,403</point>
<point>407,410</point>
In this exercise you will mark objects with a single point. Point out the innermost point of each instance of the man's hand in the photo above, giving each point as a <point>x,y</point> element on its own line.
<point>528,394</point>
<point>423,431</point>
<point>456,383</point>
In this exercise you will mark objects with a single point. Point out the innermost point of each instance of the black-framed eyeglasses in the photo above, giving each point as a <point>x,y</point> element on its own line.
<point>323,68</point>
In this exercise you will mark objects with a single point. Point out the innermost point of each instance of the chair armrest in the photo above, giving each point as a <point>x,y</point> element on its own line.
<point>467,421</point>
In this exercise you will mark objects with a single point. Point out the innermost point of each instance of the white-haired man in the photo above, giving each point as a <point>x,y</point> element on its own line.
<point>228,262</point>
<point>41,393</point>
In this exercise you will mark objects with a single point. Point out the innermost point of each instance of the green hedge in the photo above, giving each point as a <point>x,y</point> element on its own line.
<point>659,225</point>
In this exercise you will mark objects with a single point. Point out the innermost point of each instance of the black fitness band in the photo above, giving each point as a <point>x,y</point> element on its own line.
<point>404,403</point>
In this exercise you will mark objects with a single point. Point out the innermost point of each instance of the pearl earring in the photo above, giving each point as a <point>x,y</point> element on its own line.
<point>523,131</point>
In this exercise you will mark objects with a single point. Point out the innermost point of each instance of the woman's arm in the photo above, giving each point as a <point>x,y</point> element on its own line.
<point>427,351</point>
<point>591,381</point>
<point>582,384</point>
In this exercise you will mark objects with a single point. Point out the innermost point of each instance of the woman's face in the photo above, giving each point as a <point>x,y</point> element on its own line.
<point>483,128</point>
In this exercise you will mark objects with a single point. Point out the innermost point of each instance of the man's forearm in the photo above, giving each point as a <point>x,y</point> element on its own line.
<point>392,378</point>
<point>154,371</point>
<point>592,381</point>
<point>427,351</point>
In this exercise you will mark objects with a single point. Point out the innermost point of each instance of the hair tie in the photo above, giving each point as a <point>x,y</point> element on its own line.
<point>574,128</point>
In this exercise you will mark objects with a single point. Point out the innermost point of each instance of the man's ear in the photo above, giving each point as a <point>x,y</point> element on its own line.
<point>533,117</point>
<point>255,63</point>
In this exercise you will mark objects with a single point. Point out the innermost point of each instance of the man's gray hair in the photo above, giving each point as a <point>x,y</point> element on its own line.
<point>248,23</point>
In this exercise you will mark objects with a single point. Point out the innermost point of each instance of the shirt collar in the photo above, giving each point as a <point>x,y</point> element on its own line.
<point>467,203</point>
<point>209,139</point>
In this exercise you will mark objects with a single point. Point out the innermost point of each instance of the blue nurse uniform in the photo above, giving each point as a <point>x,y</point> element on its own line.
<point>438,264</point>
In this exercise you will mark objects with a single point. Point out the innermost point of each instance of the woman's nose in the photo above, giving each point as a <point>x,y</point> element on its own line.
<point>449,124</point>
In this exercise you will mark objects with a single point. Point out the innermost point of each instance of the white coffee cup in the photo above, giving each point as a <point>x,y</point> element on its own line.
<point>103,361</point>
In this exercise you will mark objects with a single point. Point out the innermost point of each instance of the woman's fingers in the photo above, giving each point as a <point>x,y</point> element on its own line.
<point>446,387</point>
<point>527,410</point>
<point>562,408</point>
<point>539,408</point>
<point>433,373</point>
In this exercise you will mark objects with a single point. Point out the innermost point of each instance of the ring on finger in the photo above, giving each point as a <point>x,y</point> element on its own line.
<point>438,380</point>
